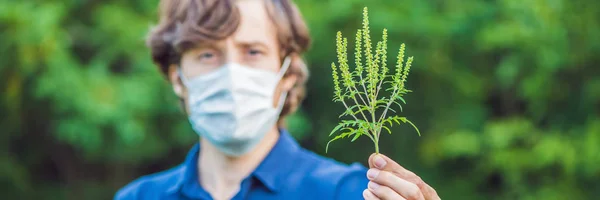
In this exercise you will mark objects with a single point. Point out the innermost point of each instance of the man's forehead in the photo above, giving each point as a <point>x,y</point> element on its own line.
<point>255,25</point>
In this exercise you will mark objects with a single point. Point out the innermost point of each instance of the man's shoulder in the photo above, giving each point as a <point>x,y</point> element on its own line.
<point>151,186</point>
<point>332,176</point>
<point>327,167</point>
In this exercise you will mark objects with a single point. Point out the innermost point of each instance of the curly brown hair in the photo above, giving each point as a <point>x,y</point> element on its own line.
<point>184,24</point>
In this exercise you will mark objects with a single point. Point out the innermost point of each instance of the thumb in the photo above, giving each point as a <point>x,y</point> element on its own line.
<point>383,162</point>
<point>372,160</point>
<point>371,165</point>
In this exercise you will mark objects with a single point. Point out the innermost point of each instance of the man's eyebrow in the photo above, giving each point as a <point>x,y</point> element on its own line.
<point>249,43</point>
<point>213,45</point>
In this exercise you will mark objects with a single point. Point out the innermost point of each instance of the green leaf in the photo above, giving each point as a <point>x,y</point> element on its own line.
<point>334,139</point>
<point>360,110</point>
<point>388,82</point>
<point>356,136</point>
<point>343,135</point>
<point>386,128</point>
<point>389,121</point>
<point>337,128</point>
<point>348,129</point>
<point>408,121</point>
<point>383,101</point>
<point>401,99</point>
<point>389,108</point>
<point>350,110</point>
<point>398,105</point>
<point>344,125</point>
<point>393,109</point>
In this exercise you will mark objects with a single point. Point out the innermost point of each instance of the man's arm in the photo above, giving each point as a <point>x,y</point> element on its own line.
<point>351,186</point>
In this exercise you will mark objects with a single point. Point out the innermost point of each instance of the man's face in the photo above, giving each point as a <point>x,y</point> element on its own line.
<point>254,44</point>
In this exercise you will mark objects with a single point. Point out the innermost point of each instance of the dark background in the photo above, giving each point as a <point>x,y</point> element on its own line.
<point>506,95</point>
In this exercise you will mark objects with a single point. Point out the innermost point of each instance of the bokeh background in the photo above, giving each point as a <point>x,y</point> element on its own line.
<point>506,95</point>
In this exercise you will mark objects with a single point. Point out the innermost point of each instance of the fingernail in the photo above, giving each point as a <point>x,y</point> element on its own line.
<point>372,185</point>
<point>372,173</point>
<point>366,194</point>
<point>379,162</point>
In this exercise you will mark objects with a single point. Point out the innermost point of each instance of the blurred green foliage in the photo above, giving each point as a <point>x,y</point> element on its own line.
<point>508,101</point>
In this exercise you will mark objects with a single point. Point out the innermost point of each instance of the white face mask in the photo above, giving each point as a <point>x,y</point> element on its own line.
<point>232,107</point>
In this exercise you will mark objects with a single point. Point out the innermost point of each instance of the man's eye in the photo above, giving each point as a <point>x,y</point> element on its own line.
<point>206,55</point>
<point>253,52</point>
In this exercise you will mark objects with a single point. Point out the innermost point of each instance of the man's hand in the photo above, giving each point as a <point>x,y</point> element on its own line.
<point>389,180</point>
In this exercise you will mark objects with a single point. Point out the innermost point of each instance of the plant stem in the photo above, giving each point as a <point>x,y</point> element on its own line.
<point>376,145</point>
<point>374,128</point>
<point>346,105</point>
<point>387,107</point>
<point>369,135</point>
<point>361,98</point>
<point>374,137</point>
<point>355,101</point>
<point>379,87</point>
<point>365,89</point>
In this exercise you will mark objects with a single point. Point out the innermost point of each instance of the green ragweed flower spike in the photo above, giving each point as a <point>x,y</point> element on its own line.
<point>358,89</point>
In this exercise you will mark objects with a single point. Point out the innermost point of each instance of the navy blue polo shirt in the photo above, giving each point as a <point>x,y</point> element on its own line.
<point>288,172</point>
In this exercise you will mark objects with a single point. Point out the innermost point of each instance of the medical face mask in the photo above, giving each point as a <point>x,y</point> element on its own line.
<point>232,107</point>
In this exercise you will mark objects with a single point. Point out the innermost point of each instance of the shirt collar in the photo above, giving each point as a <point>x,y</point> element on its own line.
<point>278,163</point>
<point>187,170</point>
<point>270,172</point>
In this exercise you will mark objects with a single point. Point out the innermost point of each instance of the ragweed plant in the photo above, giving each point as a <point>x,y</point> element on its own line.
<point>359,89</point>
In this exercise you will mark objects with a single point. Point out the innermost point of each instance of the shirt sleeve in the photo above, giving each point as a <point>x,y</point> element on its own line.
<point>352,185</point>
<point>124,195</point>
<point>129,192</point>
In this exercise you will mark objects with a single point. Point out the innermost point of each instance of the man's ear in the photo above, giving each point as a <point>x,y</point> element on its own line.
<point>175,80</point>
<point>289,80</point>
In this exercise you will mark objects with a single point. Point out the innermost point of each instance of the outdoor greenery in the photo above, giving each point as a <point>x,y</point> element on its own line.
<point>507,96</point>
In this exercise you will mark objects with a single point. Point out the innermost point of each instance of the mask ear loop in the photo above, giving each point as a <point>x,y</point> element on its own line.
<point>181,76</point>
<point>284,68</point>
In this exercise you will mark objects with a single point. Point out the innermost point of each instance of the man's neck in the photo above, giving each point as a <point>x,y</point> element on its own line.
<point>221,175</point>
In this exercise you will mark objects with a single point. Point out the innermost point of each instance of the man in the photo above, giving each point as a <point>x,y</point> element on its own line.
<point>237,67</point>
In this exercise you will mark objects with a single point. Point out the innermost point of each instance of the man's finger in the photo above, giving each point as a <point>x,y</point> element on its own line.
<point>368,195</point>
<point>382,162</point>
<point>384,192</point>
<point>400,186</point>
<point>430,193</point>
